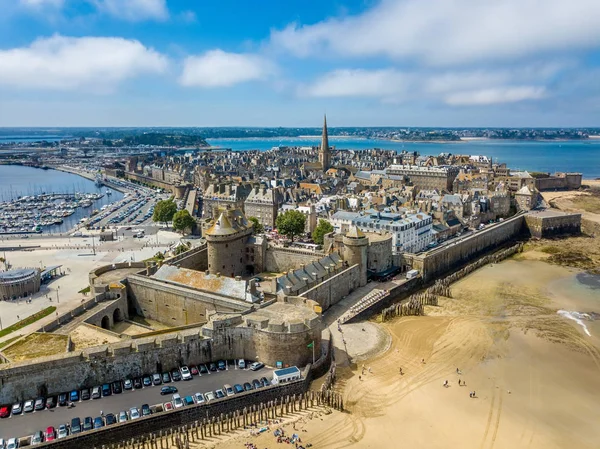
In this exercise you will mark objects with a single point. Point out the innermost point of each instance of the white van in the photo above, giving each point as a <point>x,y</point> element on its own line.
<point>241,364</point>
<point>228,390</point>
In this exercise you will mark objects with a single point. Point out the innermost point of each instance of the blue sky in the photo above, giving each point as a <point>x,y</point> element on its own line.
<point>284,63</point>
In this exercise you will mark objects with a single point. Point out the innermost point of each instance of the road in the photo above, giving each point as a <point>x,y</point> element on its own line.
<point>27,424</point>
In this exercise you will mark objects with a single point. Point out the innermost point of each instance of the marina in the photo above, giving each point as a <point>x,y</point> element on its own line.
<point>49,201</point>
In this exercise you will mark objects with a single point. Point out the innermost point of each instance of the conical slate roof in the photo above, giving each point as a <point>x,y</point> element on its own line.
<point>355,233</point>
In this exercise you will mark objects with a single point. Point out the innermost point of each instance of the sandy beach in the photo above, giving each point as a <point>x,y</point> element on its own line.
<point>535,373</point>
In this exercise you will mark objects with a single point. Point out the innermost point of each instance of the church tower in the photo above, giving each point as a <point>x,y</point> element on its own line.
<point>324,154</point>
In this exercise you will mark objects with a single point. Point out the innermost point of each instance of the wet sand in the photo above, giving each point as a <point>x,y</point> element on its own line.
<point>536,374</point>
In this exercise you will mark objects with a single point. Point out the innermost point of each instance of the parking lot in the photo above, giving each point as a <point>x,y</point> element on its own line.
<point>27,424</point>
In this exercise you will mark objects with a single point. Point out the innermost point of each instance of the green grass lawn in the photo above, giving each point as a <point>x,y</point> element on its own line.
<point>27,321</point>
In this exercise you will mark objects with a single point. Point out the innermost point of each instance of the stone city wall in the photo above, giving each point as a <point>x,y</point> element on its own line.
<point>134,358</point>
<point>449,257</point>
<point>176,305</point>
<point>194,259</point>
<point>95,274</point>
<point>545,226</point>
<point>278,260</point>
<point>332,290</point>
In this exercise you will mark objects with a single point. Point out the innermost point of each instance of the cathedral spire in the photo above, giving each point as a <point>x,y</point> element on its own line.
<point>324,155</point>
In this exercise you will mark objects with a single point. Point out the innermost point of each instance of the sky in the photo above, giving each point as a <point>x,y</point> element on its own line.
<point>451,63</point>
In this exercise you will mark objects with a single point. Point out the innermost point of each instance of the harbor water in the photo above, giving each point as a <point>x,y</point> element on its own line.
<point>18,181</point>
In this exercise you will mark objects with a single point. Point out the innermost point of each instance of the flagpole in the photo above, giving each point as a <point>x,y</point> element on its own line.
<point>313,348</point>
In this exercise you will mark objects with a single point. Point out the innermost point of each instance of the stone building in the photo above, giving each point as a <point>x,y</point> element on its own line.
<point>224,194</point>
<point>226,240</point>
<point>526,198</point>
<point>263,203</point>
<point>427,178</point>
<point>324,151</point>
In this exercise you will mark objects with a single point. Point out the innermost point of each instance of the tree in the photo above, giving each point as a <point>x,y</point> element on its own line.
<point>257,225</point>
<point>164,211</point>
<point>182,220</point>
<point>324,227</point>
<point>291,223</point>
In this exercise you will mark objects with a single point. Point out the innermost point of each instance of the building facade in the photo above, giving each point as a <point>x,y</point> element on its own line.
<point>426,178</point>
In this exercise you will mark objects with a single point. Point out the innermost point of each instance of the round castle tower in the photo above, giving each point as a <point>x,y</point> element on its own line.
<point>355,251</point>
<point>226,241</point>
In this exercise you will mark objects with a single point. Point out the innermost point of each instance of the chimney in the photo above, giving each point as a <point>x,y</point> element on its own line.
<point>238,278</point>
<point>219,274</point>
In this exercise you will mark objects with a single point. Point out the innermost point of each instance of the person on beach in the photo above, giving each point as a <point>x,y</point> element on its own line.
<point>446,383</point>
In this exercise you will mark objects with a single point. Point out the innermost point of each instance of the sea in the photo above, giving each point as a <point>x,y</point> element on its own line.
<point>17,180</point>
<point>579,156</point>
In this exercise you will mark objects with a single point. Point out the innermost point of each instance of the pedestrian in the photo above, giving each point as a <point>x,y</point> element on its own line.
<point>456,370</point>
<point>369,369</point>
<point>360,378</point>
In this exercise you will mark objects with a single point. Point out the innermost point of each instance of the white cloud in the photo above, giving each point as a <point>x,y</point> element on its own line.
<point>450,32</point>
<point>217,68</point>
<point>358,83</point>
<point>509,94</point>
<point>96,64</point>
<point>134,10</point>
<point>457,88</point>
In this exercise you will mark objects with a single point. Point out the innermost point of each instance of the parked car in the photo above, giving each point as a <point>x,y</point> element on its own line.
<point>75,425</point>
<point>166,378</point>
<point>85,394</point>
<point>168,406</point>
<point>17,409</point>
<point>4,411</point>
<point>88,423</point>
<point>209,396</point>
<point>176,375</point>
<point>116,387</point>
<point>241,364</point>
<point>123,416</point>
<point>203,369</point>
<point>212,367</point>
<point>12,443</point>
<point>228,390</point>
<point>128,384</point>
<point>168,390</point>
<point>199,398</point>
<point>110,419</point>
<point>219,393</point>
<point>221,365</point>
<point>256,366</point>
<point>37,437</point>
<point>63,431</point>
<point>51,402</point>
<point>238,388</point>
<point>256,384</point>
<point>146,410</point>
<point>156,379</point>
<point>194,370</point>
<point>134,413</point>
<point>74,396</point>
<point>137,383</point>
<point>98,422</point>
<point>177,401</point>
<point>96,392</point>
<point>247,386</point>
<point>188,400</point>
<point>106,390</point>
<point>40,403</point>
<point>62,399</point>
<point>28,406</point>
<point>185,373</point>
<point>147,381</point>
<point>50,434</point>
<point>265,382</point>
